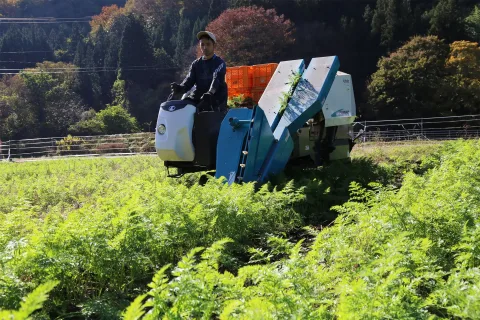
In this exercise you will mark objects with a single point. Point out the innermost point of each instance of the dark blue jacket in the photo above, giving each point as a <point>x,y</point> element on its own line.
<point>207,76</point>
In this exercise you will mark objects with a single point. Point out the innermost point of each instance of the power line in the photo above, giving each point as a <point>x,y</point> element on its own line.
<point>89,68</point>
<point>37,51</point>
<point>87,71</point>
<point>44,20</point>
<point>15,61</point>
<point>93,69</point>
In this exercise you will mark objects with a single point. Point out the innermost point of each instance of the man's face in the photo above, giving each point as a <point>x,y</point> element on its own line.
<point>207,47</point>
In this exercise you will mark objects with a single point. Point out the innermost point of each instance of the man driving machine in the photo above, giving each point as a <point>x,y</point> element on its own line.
<point>207,73</point>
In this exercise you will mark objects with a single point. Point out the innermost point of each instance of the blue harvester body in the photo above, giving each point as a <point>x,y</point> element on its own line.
<point>254,144</point>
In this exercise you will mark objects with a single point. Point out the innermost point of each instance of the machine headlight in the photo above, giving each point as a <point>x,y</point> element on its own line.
<point>162,129</point>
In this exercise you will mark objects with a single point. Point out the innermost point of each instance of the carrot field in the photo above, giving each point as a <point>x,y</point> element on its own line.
<point>392,235</point>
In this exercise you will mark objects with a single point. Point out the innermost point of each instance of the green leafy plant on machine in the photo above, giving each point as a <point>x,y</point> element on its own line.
<point>240,101</point>
<point>294,79</point>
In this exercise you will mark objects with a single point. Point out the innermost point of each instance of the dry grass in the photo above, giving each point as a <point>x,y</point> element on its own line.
<point>381,152</point>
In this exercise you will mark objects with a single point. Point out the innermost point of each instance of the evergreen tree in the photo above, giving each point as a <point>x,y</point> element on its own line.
<point>112,48</point>
<point>473,24</point>
<point>110,65</point>
<point>163,59</point>
<point>40,43</point>
<point>215,8</point>
<point>182,40</point>
<point>82,83</point>
<point>13,42</point>
<point>100,48</point>
<point>79,57</point>
<point>199,25</point>
<point>53,39</point>
<point>100,52</point>
<point>392,21</point>
<point>72,42</point>
<point>136,54</point>
<point>94,78</point>
<point>446,21</point>
<point>168,34</point>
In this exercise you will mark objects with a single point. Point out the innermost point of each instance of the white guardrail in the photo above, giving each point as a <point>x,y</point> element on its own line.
<point>419,129</point>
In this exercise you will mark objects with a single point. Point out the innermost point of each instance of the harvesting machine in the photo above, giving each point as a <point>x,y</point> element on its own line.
<point>307,120</point>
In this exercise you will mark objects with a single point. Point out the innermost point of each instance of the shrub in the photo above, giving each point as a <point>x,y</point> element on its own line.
<point>69,144</point>
<point>112,120</point>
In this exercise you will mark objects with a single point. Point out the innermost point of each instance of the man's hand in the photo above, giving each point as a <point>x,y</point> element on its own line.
<point>175,87</point>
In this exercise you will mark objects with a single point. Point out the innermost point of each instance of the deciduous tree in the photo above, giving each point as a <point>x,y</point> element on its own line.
<point>426,77</point>
<point>106,17</point>
<point>408,83</point>
<point>252,35</point>
<point>463,67</point>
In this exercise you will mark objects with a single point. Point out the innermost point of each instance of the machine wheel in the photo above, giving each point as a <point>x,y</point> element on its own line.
<point>325,146</point>
<point>205,177</point>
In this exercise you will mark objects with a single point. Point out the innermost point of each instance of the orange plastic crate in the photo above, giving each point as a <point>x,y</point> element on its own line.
<point>257,94</point>
<point>262,74</point>
<point>238,78</point>
<point>236,92</point>
<point>250,81</point>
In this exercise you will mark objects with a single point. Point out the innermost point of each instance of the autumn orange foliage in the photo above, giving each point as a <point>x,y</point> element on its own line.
<point>106,17</point>
<point>465,58</point>
<point>8,8</point>
<point>251,35</point>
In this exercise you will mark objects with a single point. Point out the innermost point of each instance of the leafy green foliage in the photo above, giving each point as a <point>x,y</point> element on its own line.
<point>473,24</point>
<point>445,20</point>
<point>117,120</point>
<point>132,50</point>
<point>45,101</point>
<point>240,101</point>
<point>31,303</point>
<point>293,82</point>
<point>426,77</point>
<point>135,54</point>
<point>392,21</point>
<point>112,120</point>
<point>406,253</point>
<point>103,227</point>
<point>234,252</point>
<point>105,234</point>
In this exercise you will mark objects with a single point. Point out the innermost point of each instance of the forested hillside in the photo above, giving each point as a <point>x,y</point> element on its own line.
<point>418,58</point>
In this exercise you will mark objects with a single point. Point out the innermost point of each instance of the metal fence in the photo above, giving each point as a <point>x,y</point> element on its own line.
<point>86,146</point>
<point>399,130</point>
<point>435,128</point>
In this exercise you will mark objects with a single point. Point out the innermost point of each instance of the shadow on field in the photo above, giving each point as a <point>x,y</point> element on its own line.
<point>324,186</point>
<point>328,186</point>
